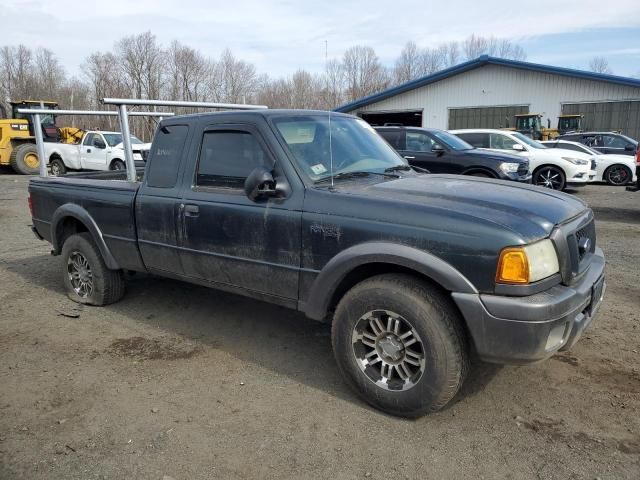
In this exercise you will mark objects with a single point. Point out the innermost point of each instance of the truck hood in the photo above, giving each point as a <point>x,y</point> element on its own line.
<point>529,212</point>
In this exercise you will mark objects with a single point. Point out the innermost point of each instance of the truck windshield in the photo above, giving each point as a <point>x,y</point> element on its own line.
<point>355,146</point>
<point>451,141</point>
<point>114,139</point>
<point>528,141</point>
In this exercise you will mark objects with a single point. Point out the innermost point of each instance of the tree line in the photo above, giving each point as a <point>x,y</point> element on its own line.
<point>139,66</point>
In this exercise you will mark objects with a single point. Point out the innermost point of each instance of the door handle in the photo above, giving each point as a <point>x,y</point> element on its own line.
<point>409,157</point>
<point>191,211</point>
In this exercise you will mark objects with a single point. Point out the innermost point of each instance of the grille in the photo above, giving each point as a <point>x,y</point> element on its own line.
<point>588,231</point>
<point>523,169</point>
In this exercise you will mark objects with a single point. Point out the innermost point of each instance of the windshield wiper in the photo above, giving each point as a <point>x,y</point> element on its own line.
<point>363,173</point>
<point>396,168</point>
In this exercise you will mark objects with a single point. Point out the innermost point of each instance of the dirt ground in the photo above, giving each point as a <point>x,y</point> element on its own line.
<point>181,382</point>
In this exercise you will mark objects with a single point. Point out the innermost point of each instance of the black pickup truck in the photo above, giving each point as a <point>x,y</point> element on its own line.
<point>316,212</point>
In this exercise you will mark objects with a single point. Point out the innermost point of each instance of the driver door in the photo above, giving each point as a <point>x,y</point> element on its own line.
<point>93,152</point>
<point>225,237</point>
<point>423,151</point>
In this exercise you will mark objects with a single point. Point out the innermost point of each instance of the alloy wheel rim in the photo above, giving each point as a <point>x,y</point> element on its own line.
<point>549,178</point>
<point>388,350</point>
<point>80,274</point>
<point>618,175</point>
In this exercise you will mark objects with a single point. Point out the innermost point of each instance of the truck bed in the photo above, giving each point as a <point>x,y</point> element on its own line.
<point>107,198</point>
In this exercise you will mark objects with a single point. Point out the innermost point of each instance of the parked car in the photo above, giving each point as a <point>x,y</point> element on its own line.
<point>440,152</point>
<point>97,150</point>
<point>613,169</point>
<point>314,211</point>
<point>551,168</point>
<point>605,142</point>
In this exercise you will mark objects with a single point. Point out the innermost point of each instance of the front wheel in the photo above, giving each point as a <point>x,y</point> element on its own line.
<point>617,175</point>
<point>57,167</point>
<point>117,165</point>
<point>86,277</point>
<point>549,177</point>
<point>399,343</point>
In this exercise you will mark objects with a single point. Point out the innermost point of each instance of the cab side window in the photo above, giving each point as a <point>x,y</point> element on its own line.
<point>419,142</point>
<point>89,139</point>
<point>501,142</point>
<point>227,157</point>
<point>612,141</point>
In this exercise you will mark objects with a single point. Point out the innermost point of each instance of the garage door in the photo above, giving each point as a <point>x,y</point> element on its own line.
<point>624,116</point>
<point>484,117</point>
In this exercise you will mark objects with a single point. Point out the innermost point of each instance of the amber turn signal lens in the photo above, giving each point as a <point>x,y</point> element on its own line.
<point>513,266</point>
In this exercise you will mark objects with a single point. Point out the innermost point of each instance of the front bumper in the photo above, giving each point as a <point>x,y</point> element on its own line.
<point>528,329</point>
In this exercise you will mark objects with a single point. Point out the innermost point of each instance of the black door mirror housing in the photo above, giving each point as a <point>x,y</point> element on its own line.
<point>260,184</point>
<point>99,144</point>
<point>629,148</point>
<point>437,148</point>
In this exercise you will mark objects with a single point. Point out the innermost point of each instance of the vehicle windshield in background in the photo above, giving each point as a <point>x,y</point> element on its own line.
<point>528,141</point>
<point>114,139</point>
<point>355,144</point>
<point>451,141</point>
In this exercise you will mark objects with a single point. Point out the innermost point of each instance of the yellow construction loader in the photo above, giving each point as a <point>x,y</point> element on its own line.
<point>17,138</point>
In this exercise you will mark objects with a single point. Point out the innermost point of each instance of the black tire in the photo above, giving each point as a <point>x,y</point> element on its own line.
<point>617,175</point>
<point>20,159</point>
<point>57,167</point>
<point>434,319</point>
<point>107,286</point>
<point>549,177</point>
<point>118,165</point>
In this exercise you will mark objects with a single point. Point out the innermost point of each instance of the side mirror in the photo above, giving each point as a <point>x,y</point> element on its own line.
<point>629,148</point>
<point>517,147</point>
<point>99,144</point>
<point>437,148</point>
<point>260,184</point>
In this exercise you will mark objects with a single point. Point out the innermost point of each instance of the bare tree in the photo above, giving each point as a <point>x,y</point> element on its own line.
<point>364,74</point>
<point>234,81</point>
<point>334,81</point>
<point>599,65</point>
<point>408,63</point>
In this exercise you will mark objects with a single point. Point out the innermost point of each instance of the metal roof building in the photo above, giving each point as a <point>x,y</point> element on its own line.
<point>485,92</point>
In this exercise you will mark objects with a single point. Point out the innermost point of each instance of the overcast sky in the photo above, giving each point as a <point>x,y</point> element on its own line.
<point>280,36</point>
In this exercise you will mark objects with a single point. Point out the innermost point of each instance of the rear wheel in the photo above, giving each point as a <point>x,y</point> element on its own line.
<point>117,165</point>
<point>86,277</point>
<point>57,167</point>
<point>24,159</point>
<point>549,177</point>
<point>399,343</point>
<point>617,175</point>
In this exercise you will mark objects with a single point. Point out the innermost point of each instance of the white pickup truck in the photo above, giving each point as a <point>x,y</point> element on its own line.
<point>97,150</point>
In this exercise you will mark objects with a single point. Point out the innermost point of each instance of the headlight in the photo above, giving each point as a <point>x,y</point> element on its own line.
<point>576,161</point>
<point>509,167</point>
<point>521,265</point>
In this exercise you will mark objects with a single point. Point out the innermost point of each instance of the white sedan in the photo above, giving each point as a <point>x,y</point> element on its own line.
<point>611,168</point>
<point>553,168</point>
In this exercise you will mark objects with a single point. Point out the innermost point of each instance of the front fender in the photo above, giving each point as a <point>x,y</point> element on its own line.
<point>422,262</point>
<point>80,214</point>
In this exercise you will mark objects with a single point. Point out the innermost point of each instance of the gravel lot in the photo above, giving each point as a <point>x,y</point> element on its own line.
<point>182,382</point>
